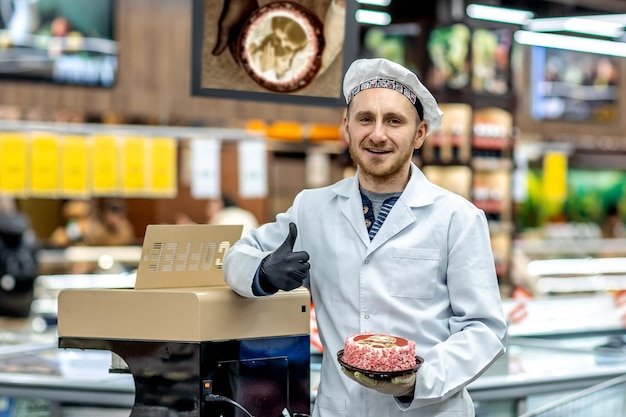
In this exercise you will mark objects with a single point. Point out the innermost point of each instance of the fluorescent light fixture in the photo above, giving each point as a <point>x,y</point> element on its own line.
<point>576,266</point>
<point>571,43</point>
<point>375,2</point>
<point>591,25</point>
<point>499,14</point>
<point>615,18</point>
<point>370,17</point>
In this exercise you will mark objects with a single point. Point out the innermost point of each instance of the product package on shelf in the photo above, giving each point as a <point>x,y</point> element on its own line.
<point>491,132</point>
<point>450,143</point>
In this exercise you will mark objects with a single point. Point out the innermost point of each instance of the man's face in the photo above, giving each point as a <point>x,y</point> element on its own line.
<point>382,128</point>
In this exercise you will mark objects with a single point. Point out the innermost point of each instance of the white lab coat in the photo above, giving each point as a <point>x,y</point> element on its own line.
<point>428,275</point>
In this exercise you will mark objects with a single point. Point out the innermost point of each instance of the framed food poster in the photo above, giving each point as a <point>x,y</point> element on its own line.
<point>281,51</point>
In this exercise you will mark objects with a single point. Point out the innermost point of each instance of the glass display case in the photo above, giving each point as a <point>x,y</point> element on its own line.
<point>38,379</point>
<point>561,354</point>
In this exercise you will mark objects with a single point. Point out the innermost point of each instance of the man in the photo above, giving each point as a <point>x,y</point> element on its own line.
<point>111,226</point>
<point>385,252</point>
<point>224,210</point>
<point>19,265</point>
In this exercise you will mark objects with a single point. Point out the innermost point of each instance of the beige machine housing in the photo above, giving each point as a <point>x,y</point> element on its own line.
<point>180,295</point>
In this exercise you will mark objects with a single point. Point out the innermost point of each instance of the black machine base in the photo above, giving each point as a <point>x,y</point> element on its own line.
<point>262,377</point>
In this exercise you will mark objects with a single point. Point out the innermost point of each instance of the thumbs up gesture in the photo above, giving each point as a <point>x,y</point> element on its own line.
<point>284,269</point>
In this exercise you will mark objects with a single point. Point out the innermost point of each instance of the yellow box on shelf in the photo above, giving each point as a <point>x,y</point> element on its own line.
<point>44,164</point>
<point>105,179</point>
<point>75,165</point>
<point>13,163</point>
<point>134,165</point>
<point>163,167</point>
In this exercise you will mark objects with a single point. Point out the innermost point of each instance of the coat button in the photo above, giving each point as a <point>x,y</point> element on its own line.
<point>367,316</point>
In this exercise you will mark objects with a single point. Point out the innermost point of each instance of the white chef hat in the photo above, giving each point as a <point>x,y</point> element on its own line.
<point>364,74</point>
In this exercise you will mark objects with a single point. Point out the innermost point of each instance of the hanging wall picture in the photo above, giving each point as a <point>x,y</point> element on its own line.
<point>281,51</point>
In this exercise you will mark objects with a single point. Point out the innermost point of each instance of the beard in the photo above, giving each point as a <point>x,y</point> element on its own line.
<point>392,166</point>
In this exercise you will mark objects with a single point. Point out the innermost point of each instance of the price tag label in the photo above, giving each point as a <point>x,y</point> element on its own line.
<point>105,166</point>
<point>13,163</point>
<point>75,165</point>
<point>163,166</point>
<point>205,168</point>
<point>134,165</point>
<point>44,168</point>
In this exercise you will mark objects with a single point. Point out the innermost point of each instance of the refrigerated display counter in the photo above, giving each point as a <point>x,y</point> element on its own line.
<point>557,345</point>
<point>537,370</point>
<point>68,382</point>
<point>564,344</point>
<point>37,379</point>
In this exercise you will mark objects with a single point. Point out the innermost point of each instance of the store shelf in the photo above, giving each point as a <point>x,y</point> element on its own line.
<point>329,147</point>
<point>538,362</point>
<point>566,315</point>
<point>123,254</point>
<point>582,284</point>
<point>65,376</point>
<point>491,164</point>
<point>178,132</point>
<point>578,247</point>
<point>568,266</point>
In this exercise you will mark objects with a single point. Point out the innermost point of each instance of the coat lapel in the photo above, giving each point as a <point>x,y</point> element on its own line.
<point>417,193</point>
<point>351,206</point>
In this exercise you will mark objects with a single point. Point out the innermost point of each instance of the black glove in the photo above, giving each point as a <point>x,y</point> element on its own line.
<point>284,269</point>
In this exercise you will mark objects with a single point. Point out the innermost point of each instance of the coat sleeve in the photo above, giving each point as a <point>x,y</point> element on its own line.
<point>245,256</point>
<point>477,324</point>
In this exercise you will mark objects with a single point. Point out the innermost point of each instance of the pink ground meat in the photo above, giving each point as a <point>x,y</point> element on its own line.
<point>378,358</point>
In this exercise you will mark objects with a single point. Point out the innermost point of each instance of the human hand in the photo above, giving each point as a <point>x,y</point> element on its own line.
<point>234,14</point>
<point>267,58</point>
<point>398,386</point>
<point>284,269</point>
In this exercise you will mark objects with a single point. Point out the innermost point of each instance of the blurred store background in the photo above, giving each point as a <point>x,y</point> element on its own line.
<point>107,126</point>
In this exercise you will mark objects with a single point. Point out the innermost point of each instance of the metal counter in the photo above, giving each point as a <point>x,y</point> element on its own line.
<point>532,372</point>
<point>561,356</point>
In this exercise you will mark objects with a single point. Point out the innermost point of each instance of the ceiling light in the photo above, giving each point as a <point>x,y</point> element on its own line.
<point>571,43</point>
<point>613,18</point>
<point>370,17</point>
<point>591,25</point>
<point>499,14</point>
<point>375,2</point>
